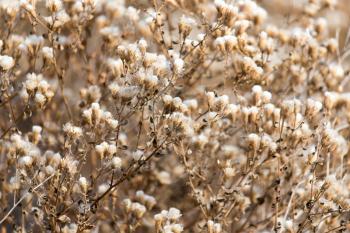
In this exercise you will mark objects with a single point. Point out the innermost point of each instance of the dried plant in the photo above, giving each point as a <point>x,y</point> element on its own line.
<point>174,116</point>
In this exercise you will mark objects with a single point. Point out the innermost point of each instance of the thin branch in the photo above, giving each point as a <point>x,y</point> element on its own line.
<point>24,196</point>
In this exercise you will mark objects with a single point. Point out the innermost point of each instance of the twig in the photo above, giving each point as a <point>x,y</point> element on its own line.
<point>128,172</point>
<point>24,196</point>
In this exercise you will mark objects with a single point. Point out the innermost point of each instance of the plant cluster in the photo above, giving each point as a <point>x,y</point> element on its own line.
<point>174,116</point>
